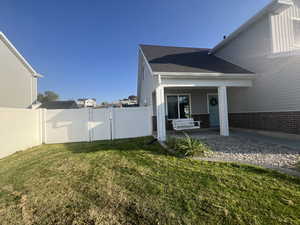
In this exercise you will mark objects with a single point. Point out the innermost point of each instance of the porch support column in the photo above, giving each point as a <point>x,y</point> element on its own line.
<point>223,111</point>
<point>160,113</point>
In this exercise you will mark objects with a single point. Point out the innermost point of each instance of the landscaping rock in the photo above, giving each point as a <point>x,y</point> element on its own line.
<point>249,150</point>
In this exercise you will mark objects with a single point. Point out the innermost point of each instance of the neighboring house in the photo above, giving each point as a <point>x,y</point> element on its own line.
<point>87,102</point>
<point>59,105</point>
<point>131,101</point>
<point>249,80</point>
<point>110,105</point>
<point>18,80</point>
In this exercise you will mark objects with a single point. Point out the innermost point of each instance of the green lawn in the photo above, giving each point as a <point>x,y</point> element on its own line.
<point>130,182</point>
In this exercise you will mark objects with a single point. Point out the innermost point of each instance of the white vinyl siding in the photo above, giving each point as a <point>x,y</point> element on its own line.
<point>277,86</point>
<point>17,86</point>
<point>283,32</point>
<point>276,92</point>
<point>145,79</point>
<point>296,25</point>
<point>250,46</point>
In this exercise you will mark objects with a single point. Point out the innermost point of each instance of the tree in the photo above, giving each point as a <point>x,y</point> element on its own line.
<point>47,96</point>
<point>104,103</point>
<point>40,97</point>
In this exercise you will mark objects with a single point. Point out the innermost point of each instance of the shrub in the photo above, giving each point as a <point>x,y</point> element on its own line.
<point>188,146</point>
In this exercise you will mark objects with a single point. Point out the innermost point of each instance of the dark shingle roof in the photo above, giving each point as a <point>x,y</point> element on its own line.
<point>180,59</point>
<point>59,105</point>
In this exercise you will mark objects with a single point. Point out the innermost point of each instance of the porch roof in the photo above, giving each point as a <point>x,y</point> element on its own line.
<point>187,60</point>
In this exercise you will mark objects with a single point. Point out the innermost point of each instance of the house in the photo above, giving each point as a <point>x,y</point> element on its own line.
<point>87,102</point>
<point>109,105</point>
<point>18,80</point>
<point>70,104</point>
<point>131,101</point>
<point>249,80</point>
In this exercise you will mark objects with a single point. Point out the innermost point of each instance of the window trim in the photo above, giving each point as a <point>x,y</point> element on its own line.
<point>179,94</point>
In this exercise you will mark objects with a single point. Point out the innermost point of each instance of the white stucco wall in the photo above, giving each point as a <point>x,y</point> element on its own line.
<point>18,88</point>
<point>277,87</point>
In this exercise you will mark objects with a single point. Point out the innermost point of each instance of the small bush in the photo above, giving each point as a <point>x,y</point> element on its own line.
<point>188,146</point>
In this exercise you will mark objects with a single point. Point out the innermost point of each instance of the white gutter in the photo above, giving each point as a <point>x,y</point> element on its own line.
<point>37,75</point>
<point>213,76</point>
<point>275,7</point>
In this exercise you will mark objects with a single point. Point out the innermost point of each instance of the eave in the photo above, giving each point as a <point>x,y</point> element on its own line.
<point>213,76</point>
<point>275,7</point>
<point>18,55</point>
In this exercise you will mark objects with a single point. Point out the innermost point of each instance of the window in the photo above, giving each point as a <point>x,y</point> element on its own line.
<point>178,106</point>
<point>297,32</point>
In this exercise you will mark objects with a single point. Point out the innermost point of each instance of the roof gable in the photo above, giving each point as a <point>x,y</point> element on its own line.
<point>189,60</point>
<point>275,7</point>
<point>18,55</point>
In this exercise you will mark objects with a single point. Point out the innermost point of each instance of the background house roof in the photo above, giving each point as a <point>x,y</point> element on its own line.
<point>193,60</point>
<point>59,105</point>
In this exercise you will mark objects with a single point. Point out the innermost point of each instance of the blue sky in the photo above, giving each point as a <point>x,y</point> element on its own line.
<point>88,48</point>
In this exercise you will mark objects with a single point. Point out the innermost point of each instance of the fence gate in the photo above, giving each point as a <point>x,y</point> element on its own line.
<point>100,124</point>
<point>80,125</point>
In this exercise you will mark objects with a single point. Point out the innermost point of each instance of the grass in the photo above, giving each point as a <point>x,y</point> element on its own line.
<point>130,182</point>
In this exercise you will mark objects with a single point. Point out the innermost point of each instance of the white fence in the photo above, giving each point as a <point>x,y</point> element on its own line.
<point>131,122</point>
<point>63,126</point>
<point>19,129</point>
<point>25,128</point>
<point>77,125</point>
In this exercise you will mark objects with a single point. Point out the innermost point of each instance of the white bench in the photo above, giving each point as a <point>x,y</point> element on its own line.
<point>185,124</point>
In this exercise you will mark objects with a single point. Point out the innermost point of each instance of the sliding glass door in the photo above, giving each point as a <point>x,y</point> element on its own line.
<point>178,106</point>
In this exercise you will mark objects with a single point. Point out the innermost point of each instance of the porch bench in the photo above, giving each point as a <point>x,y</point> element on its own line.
<point>185,124</point>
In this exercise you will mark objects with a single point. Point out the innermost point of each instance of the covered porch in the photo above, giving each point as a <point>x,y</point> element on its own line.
<point>203,98</point>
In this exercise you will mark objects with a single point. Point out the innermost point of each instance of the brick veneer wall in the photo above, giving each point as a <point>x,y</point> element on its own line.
<point>287,122</point>
<point>204,118</point>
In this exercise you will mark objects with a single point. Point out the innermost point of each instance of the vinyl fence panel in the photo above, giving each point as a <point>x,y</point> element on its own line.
<point>19,130</point>
<point>24,128</point>
<point>132,122</point>
<point>67,125</point>
<point>100,124</point>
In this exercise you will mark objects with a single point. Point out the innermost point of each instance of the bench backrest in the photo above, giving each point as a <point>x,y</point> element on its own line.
<point>183,123</point>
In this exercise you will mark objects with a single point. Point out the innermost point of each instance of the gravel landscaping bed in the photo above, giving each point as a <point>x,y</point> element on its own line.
<point>249,150</point>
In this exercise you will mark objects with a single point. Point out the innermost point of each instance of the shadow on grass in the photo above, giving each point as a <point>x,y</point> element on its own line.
<point>130,148</point>
<point>120,145</point>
